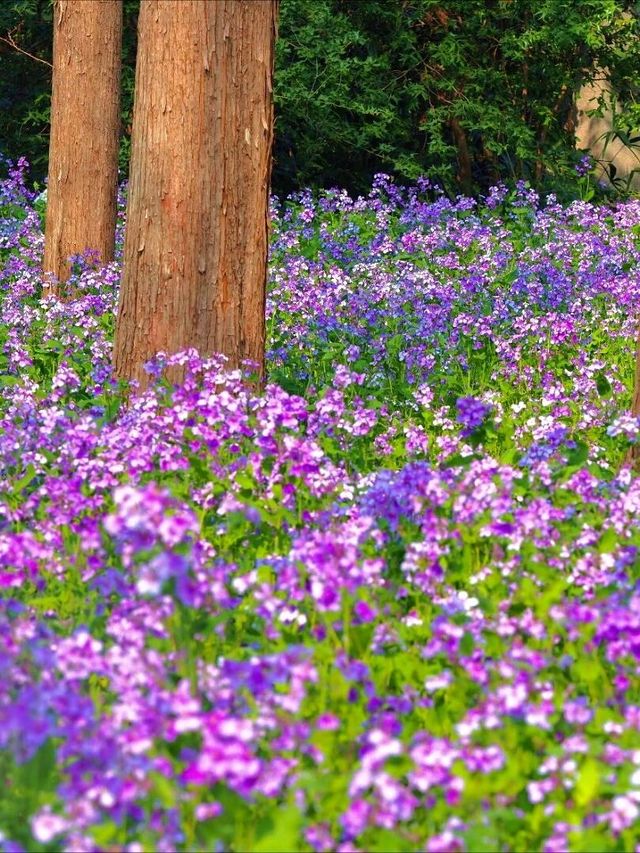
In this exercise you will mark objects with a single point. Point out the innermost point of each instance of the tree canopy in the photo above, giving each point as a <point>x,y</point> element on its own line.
<point>465,91</point>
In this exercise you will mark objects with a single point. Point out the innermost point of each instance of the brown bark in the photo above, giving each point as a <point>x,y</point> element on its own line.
<point>85,121</point>
<point>195,255</point>
<point>464,158</point>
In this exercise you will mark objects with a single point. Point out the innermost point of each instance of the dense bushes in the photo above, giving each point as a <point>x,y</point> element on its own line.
<point>466,91</point>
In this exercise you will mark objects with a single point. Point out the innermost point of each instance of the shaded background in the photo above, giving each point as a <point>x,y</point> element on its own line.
<point>468,92</point>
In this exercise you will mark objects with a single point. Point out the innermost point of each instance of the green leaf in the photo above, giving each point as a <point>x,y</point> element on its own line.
<point>586,670</point>
<point>467,644</point>
<point>579,454</point>
<point>481,839</point>
<point>105,834</point>
<point>388,841</point>
<point>9,379</point>
<point>588,783</point>
<point>283,833</point>
<point>458,460</point>
<point>395,344</point>
<point>608,541</point>
<point>590,841</point>
<point>163,789</point>
<point>25,480</point>
<point>603,385</point>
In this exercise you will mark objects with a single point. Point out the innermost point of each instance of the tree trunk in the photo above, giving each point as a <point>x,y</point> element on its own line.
<point>85,122</point>
<point>195,255</point>
<point>464,176</point>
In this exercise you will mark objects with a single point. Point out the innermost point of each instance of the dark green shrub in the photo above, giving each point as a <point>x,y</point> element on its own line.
<point>470,92</point>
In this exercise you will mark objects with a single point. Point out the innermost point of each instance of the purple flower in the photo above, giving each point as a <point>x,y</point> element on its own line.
<point>578,711</point>
<point>584,166</point>
<point>471,413</point>
<point>327,723</point>
<point>364,612</point>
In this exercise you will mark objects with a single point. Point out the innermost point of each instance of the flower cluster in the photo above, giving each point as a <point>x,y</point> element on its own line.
<point>390,601</point>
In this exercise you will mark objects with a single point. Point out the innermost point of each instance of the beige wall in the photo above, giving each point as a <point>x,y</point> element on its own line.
<point>590,130</point>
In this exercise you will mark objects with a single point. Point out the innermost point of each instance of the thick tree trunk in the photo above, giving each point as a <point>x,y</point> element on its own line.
<point>195,255</point>
<point>85,122</point>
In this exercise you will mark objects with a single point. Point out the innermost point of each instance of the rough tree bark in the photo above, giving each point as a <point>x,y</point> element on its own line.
<point>85,123</point>
<point>195,254</point>
<point>464,176</point>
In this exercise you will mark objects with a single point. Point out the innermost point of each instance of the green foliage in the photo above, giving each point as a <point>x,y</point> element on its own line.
<point>465,91</point>
<point>25,81</point>
<point>468,92</point>
<point>344,98</point>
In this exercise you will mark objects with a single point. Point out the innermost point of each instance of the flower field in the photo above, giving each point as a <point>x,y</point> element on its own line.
<point>391,603</point>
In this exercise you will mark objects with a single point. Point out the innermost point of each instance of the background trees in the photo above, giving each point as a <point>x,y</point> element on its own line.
<point>468,91</point>
<point>83,150</point>
<point>195,250</point>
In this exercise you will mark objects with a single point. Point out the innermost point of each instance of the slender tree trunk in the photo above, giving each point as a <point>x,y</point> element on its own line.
<point>195,255</point>
<point>85,122</point>
<point>464,176</point>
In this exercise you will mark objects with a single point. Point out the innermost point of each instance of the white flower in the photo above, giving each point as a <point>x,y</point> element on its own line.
<point>45,826</point>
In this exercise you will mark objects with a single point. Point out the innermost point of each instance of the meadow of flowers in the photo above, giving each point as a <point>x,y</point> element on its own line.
<point>391,603</point>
